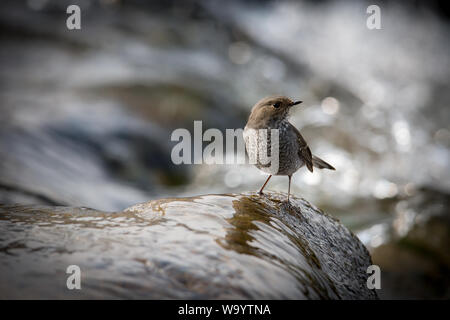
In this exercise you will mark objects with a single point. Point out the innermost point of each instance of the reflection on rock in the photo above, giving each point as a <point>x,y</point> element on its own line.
<point>212,246</point>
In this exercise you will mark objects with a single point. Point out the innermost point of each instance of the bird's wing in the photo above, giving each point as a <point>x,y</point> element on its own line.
<point>304,152</point>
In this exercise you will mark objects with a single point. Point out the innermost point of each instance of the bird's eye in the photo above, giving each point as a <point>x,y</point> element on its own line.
<point>277,104</point>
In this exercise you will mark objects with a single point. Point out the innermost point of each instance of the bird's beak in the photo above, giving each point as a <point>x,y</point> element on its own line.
<point>296,102</point>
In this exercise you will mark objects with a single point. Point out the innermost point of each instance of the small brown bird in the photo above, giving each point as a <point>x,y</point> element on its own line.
<point>293,151</point>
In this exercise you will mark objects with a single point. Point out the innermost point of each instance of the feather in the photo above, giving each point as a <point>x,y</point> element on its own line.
<point>319,163</point>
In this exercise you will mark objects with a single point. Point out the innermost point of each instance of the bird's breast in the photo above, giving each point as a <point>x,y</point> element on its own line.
<point>258,143</point>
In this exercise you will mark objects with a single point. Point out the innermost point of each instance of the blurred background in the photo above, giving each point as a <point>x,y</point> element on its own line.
<point>86,115</point>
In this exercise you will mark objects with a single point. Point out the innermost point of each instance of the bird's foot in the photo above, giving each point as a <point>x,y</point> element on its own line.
<point>288,202</point>
<point>285,205</point>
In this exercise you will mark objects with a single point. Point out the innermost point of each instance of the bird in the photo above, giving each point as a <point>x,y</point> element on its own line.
<point>293,152</point>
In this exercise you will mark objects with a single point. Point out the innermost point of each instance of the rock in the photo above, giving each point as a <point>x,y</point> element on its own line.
<point>240,246</point>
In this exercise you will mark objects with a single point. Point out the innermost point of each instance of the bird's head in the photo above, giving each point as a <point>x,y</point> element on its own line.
<point>270,109</point>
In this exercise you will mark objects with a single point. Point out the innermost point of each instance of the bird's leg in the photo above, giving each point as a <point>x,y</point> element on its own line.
<point>289,188</point>
<point>261,191</point>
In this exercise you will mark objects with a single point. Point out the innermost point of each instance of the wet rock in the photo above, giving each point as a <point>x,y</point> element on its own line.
<point>212,246</point>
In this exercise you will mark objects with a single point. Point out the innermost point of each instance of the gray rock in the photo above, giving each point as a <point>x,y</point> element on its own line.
<point>242,246</point>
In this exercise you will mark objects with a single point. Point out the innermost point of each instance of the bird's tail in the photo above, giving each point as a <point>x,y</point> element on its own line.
<point>319,163</point>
